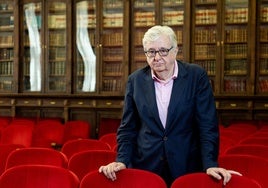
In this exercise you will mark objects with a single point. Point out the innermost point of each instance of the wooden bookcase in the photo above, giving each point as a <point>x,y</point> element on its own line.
<point>71,58</point>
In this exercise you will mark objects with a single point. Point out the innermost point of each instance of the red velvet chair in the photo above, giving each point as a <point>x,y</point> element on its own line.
<point>225,143</point>
<point>23,121</point>
<point>235,135</point>
<point>86,161</point>
<point>17,134</point>
<point>5,150</point>
<point>255,150</point>
<point>76,129</point>
<point>108,125</point>
<point>110,139</point>
<point>32,155</point>
<point>74,146</point>
<point>48,135</point>
<point>255,141</point>
<point>248,165</point>
<point>202,180</point>
<point>130,178</point>
<point>38,176</point>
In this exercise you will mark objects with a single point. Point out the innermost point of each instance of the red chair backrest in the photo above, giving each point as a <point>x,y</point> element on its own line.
<point>86,161</point>
<point>32,155</point>
<point>17,134</point>
<point>5,150</point>
<point>48,135</point>
<point>41,176</point>
<point>202,180</point>
<point>110,139</point>
<point>130,178</point>
<point>74,146</point>
<point>248,165</point>
<point>255,141</point>
<point>76,129</point>
<point>255,150</point>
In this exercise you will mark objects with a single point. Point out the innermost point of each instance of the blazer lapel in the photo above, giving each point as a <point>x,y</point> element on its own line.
<point>150,98</point>
<point>178,89</point>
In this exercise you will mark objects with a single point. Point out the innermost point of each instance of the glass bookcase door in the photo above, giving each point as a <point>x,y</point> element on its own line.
<point>173,16</point>
<point>8,47</point>
<point>236,63</point>
<point>86,37</point>
<point>262,48</point>
<point>205,40</point>
<point>143,16</point>
<point>32,47</point>
<point>57,47</point>
<point>114,46</point>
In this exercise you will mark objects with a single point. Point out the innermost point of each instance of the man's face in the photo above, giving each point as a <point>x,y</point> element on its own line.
<point>163,54</point>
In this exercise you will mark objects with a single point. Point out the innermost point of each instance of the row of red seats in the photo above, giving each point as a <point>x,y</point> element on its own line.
<point>242,134</point>
<point>46,176</point>
<point>69,149</point>
<point>50,176</point>
<point>244,148</point>
<point>46,133</point>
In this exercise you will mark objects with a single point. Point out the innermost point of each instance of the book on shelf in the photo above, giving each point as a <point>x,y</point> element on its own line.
<point>6,68</point>
<point>263,85</point>
<point>7,40</point>
<point>205,35</point>
<point>235,85</point>
<point>235,50</point>
<point>236,67</point>
<point>113,54</point>
<point>57,21</point>
<point>113,20</point>
<point>57,38</point>
<point>205,16</point>
<point>236,35</point>
<point>206,51</point>
<point>112,69</point>
<point>6,85</point>
<point>236,15</point>
<point>112,85</point>
<point>111,39</point>
<point>7,22</point>
<point>173,17</point>
<point>144,19</point>
<point>6,54</point>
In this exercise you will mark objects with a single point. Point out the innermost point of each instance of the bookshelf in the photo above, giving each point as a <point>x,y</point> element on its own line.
<point>85,49</point>
<point>45,27</point>
<point>237,65</point>
<point>262,48</point>
<point>107,36</point>
<point>206,35</point>
<point>223,42</point>
<point>8,47</point>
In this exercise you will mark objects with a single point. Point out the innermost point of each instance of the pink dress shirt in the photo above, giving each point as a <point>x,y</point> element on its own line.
<point>163,92</point>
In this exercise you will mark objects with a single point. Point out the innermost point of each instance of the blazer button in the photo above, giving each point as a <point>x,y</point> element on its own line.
<point>165,138</point>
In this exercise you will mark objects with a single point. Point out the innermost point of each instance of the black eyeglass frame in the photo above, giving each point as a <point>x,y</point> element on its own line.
<point>160,52</point>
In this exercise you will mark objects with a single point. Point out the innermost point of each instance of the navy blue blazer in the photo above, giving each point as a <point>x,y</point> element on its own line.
<point>190,141</point>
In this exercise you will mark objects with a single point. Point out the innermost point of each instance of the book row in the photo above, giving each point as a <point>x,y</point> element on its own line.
<point>235,85</point>
<point>238,67</point>
<point>6,68</point>
<point>6,40</point>
<point>112,85</point>
<point>263,85</point>
<point>6,54</point>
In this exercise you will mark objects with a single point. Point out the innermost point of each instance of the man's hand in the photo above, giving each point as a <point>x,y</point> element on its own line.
<point>110,170</point>
<point>220,173</point>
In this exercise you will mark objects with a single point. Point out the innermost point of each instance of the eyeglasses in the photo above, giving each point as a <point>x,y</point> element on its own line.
<point>162,52</point>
